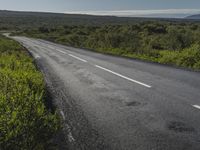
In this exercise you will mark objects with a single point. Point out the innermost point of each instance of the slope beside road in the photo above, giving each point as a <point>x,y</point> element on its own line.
<point>115,103</point>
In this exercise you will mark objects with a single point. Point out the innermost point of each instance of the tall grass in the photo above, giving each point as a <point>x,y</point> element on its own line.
<point>25,123</point>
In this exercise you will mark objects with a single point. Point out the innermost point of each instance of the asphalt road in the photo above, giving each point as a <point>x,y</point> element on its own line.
<point>116,103</point>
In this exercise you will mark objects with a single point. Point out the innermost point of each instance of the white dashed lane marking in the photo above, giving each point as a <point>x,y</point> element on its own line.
<point>77,58</point>
<point>110,71</point>
<point>124,77</point>
<point>196,106</point>
<point>61,51</point>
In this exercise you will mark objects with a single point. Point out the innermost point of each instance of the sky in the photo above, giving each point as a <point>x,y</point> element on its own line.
<point>165,8</point>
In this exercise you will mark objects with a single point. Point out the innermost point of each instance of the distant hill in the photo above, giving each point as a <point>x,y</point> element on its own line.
<point>31,19</point>
<point>21,20</point>
<point>17,19</point>
<point>197,17</point>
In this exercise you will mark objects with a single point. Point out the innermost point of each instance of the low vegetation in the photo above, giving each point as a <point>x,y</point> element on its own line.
<point>173,43</point>
<point>25,122</point>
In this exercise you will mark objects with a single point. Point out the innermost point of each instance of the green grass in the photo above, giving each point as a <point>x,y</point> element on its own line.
<point>25,122</point>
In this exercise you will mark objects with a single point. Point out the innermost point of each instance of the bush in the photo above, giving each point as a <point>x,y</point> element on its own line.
<point>168,57</point>
<point>189,57</point>
<point>25,123</point>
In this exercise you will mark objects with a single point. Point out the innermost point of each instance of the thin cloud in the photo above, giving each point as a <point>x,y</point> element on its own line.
<point>142,13</point>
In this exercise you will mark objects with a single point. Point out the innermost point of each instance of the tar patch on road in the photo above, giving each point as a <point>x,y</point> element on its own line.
<point>133,103</point>
<point>179,127</point>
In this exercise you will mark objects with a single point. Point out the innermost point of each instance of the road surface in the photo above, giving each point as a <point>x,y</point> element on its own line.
<point>116,103</point>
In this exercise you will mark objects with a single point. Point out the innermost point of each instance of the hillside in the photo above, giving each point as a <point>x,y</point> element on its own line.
<point>194,17</point>
<point>22,20</point>
<point>13,19</point>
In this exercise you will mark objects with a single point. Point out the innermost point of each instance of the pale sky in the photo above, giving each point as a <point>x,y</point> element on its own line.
<point>106,7</point>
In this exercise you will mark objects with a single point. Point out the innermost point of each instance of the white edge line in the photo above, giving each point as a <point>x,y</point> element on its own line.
<point>196,106</point>
<point>62,114</point>
<point>122,76</point>
<point>70,137</point>
<point>37,56</point>
<point>77,58</point>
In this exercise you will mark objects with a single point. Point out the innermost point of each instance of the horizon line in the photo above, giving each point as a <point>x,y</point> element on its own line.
<point>140,13</point>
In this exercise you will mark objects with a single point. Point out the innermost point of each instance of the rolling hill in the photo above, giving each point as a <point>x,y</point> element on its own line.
<point>17,19</point>
<point>197,17</point>
<point>21,20</point>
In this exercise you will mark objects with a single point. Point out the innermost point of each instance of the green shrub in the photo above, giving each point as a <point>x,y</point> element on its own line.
<point>189,57</point>
<point>7,45</point>
<point>168,57</point>
<point>25,123</point>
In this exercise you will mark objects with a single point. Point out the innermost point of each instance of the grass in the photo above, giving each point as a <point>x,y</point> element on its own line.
<point>25,122</point>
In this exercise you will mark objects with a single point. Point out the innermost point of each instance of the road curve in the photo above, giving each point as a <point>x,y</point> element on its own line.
<point>116,103</point>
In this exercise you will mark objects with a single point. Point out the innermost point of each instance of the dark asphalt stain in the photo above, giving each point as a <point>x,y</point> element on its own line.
<point>180,127</point>
<point>133,103</point>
